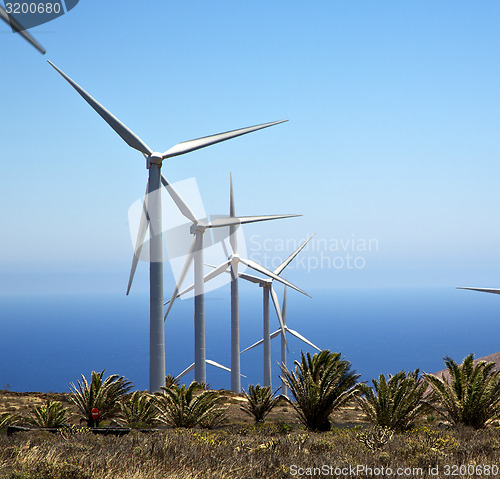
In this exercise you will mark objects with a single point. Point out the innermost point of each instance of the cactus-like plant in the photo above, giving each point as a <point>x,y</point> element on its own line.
<point>49,414</point>
<point>471,394</point>
<point>260,402</point>
<point>187,406</point>
<point>395,403</point>
<point>104,395</point>
<point>320,384</point>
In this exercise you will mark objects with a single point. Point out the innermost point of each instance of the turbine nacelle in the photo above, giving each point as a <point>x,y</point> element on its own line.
<point>198,228</point>
<point>154,158</point>
<point>235,258</point>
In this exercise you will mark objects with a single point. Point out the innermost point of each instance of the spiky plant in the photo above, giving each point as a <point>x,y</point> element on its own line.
<point>101,394</point>
<point>320,384</point>
<point>7,419</point>
<point>49,414</point>
<point>260,402</point>
<point>171,381</point>
<point>395,403</point>
<point>471,394</point>
<point>186,406</point>
<point>138,410</point>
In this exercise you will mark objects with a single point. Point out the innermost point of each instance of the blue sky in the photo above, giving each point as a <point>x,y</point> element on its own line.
<point>393,134</point>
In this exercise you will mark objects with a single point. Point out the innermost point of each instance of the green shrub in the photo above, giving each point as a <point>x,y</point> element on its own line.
<point>48,414</point>
<point>103,395</point>
<point>320,384</point>
<point>187,407</point>
<point>471,394</point>
<point>396,403</point>
<point>138,410</point>
<point>260,402</point>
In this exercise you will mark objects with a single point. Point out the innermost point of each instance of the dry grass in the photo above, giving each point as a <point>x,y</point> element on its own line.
<point>238,450</point>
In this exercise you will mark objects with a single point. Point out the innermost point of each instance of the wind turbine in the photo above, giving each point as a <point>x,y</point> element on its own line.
<point>234,259</point>
<point>20,29</point>
<point>195,255</point>
<point>153,218</point>
<point>267,289</point>
<point>284,346</point>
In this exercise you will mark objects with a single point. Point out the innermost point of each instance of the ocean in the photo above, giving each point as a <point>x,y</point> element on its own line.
<point>47,342</point>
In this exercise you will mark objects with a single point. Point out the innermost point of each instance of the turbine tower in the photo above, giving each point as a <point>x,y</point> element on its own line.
<point>233,262</point>
<point>284,345</point>
<point>154,161</point>
<point>268,291</point>
<point>20,29</point>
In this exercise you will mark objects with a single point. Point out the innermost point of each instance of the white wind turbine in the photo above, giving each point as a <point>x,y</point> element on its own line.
<point>19,29</point>
<point>267,289</point>
<point>232,262</point>
<point>152,217</point>
<point>195,255</point>
<point>284,345</point>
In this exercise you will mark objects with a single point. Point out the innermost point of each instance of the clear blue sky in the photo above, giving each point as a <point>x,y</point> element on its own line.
<point>393,134</point>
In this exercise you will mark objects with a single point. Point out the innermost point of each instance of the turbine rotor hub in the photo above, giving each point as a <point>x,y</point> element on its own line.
<point>154,158</point>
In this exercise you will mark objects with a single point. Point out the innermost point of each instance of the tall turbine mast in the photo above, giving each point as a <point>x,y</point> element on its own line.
<point>154,161</point>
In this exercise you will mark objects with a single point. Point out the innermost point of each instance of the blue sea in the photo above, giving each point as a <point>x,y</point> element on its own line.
<point>47,342</point>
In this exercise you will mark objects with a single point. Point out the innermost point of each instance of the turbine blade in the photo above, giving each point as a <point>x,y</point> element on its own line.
<point>126,134</point>
<point>277,333</point>
<point>220,269</point>
<point>241,220</point>
<point>276,303</point>
<point>299,336</point>
<point>248,277</point>
<point>484,290</point>
<point>283,309</point>
<point>12,22</point>
<point>217,365</point>
<point>252,346</point>
<point>187,370</point>
<point>141,234</point>
<point>285,263</point>
<point>261,269</point>
<point>182,276</point>
<point>253,279</point>
<point>181,204</point>
<point>191,145</point>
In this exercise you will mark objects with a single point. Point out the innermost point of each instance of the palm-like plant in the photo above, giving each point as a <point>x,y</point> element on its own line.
<point>6,419</point>
<point>187,407</point>
<point>260,402</point>
<point>171,381</point>
<point>471,394</point>
<point>138,410</point>
<point>395,403</point>
<point>103,395</point>
<point>320,384</point>
<point>48,414</point>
